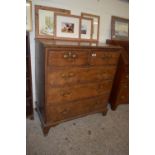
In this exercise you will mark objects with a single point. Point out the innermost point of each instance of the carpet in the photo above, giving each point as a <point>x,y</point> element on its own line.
<point>90,135</point>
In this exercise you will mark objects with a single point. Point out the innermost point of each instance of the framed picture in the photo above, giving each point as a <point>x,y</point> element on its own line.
<point>86,29</point>
<point>44,21</point>
<point>67,27</point>
<point>96,25</point>
<point>119,28</point>
<point>28,16</point>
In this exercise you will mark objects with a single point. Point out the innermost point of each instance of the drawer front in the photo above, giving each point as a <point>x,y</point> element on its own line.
<point>64,94</point>
<point>123,95</point>
<point>104,58</point>
<point>67,58</point>
<point>73,109</point>
<point>59,77</point>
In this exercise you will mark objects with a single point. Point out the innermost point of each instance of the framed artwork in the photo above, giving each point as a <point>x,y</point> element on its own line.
<point>119,28</point>
<point>96,25</point>
<point>67,27</point>
<point>86,29</point>
<point>44,21</point>
<point>28,16</point>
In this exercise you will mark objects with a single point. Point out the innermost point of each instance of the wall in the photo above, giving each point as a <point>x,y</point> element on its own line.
<point>104,8</point>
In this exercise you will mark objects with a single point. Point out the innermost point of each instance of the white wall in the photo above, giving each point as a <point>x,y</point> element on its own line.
<point>104,8</point>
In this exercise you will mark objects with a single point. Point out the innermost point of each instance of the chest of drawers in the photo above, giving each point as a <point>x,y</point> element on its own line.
<point>72,79</point>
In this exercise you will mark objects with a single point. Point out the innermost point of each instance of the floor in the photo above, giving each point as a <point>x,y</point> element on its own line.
<point>91,135</point>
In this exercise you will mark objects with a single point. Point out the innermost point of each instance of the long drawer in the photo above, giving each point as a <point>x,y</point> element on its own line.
<point>72,109</point>
<point>69,76</point>
<point>76,92</point>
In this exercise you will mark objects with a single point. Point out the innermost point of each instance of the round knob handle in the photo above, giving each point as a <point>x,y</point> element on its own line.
<point>66,56</point>
<point>74,56</point>
<point>71,74</point>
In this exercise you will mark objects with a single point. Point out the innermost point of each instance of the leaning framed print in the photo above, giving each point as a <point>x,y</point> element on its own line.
<point>44,21</point>
<point>86,29</point>
<point>28,16</point>
<point>96,25</point>
<point>67,27</point>
<point>119,28</point>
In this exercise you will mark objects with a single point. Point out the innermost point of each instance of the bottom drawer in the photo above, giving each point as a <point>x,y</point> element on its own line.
<point>123,95</point>
<point>73,109</point>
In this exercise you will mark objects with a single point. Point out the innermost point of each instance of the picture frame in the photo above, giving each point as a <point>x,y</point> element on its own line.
<point>119,28</point>
<point>67,27</point>
<point>86,29</point>
<point>44,21</point>
<point>96,25</point>
<point>28,16</point>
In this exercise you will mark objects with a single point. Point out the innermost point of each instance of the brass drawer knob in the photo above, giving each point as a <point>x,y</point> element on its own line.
<point>66,76</point>
<point>63,75</point>
<point>70,55</point>
<point>74,56</point>
<point>71,74</point>
<point>66,56</point>
<point>65,94</point>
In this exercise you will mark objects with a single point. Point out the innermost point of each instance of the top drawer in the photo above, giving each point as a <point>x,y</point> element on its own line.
<point>67,58</point>
<point>104,58</point>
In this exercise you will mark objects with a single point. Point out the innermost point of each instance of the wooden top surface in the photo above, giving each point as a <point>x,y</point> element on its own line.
<point>56,43</point>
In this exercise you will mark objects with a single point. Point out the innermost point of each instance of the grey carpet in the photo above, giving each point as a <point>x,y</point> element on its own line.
<point>90,135</point>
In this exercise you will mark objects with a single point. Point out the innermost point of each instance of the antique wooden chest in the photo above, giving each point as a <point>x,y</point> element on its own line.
<point>72,79</point>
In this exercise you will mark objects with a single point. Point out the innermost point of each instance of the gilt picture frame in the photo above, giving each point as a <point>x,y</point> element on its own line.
<point>96,25</point>
<point>119,28</point>
<point>44,21</point>
<point>67,27</point>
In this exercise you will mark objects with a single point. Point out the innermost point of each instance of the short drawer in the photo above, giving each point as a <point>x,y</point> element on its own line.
<point>123,95</point>
<point>69,76</point>
<point>67,58</point>
<point>75,109</point>
<point>76,92</point>
<point>104,58</point>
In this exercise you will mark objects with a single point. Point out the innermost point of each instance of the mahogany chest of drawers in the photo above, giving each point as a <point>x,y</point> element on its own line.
<point>120,89</point>
<point>72,79</point>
